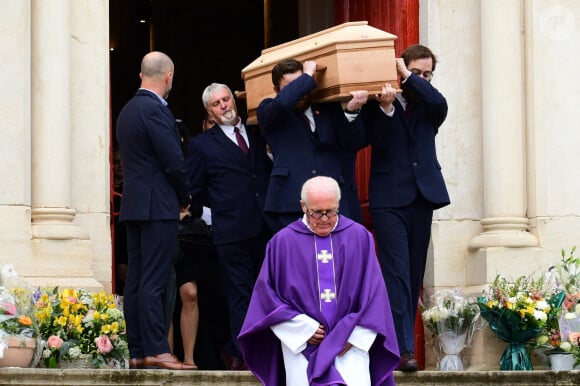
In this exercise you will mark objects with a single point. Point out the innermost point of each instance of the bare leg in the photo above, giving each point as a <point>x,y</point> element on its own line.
<point>189,319</point>
<point>170,337</point>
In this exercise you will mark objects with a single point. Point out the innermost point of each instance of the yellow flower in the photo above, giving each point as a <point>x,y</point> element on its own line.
<point>76,320</point>
<point>96,315</point>
<point>43,301</point>
<point>69,293</point>
<point>530,310</point>
<point>42,315</point>
<point>77,307</point>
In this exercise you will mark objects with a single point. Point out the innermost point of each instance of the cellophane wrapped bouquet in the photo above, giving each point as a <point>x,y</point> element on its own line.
<point>451,321</point>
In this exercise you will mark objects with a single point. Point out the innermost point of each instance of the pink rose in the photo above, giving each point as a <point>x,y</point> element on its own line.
<point>54,342</point>
<point>104,345</point>
<point>574,338</point>
<point>8,309</point>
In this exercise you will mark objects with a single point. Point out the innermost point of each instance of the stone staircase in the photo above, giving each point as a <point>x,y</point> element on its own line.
<point>80,377</point>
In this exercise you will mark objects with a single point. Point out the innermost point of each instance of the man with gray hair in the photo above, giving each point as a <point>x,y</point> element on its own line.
<point>229,172</point>
<point>320,304</point>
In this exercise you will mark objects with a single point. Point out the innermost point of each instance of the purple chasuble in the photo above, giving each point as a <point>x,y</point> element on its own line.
<point>288,285</point>
<point>325,267</point>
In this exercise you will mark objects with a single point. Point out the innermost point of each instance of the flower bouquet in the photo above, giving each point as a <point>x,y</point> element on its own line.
<point>76,323</point>
<point>517,312</point>
<point>451,321</point>
<point>17,328</point>
<point>558,343</point>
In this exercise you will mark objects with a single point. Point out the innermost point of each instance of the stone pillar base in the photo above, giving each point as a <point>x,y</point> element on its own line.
<point>56,224</point>
<point>66,263</point>
<point>504,232</point>
<point>87,283</point>
<point>485,264</point>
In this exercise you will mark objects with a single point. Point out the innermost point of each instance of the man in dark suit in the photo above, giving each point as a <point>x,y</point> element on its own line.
<point>306,140</point>
<point>228,164</point>
<point>406,185</point>
<point>155,191</point>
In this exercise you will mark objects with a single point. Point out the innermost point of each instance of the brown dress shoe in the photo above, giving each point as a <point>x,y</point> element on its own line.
<point>136,363</point>
<point>167,361</point>
<point>408,362</point>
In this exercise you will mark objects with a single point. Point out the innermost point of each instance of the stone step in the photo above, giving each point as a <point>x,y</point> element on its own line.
<point>80,377</point>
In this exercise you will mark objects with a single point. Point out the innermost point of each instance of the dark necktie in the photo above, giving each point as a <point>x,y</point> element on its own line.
<point>241,141</point>
<point>313,133</point>
<point>409,110</point>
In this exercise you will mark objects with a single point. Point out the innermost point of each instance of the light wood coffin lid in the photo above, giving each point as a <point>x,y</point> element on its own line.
<point>356,56</point>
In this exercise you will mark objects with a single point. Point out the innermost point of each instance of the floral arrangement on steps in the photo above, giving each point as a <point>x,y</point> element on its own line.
<point>559,341</point>
<point>18,332</point>
<point>451,321</point>
<point>74,324</point>
<point>517,313</point>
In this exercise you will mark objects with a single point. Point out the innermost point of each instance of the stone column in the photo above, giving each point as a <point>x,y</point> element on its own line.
<point>502,86</point>
<point>52,215</point>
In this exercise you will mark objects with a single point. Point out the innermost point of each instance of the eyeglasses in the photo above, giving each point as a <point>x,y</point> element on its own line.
<point>427,75</point>
<point>318,214</point>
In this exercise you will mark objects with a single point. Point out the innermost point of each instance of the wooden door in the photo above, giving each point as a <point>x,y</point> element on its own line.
<point>399,17</point>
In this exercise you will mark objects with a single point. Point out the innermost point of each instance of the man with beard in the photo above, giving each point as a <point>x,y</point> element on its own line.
<point>155,191</point>
<point>406,185</point>
<point>229,172</point>
<point>306,140</point>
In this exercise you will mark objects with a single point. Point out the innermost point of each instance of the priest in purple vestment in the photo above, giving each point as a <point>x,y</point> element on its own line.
<point>319,313</point>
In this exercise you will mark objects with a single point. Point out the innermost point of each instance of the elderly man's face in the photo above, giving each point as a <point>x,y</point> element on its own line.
<point>321,210</point>
<point>223,108</point>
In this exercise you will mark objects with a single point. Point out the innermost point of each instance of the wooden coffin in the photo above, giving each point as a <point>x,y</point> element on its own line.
<point>354,55</point>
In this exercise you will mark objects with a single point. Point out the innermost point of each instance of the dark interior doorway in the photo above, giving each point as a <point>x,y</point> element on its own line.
<point>208,41</point>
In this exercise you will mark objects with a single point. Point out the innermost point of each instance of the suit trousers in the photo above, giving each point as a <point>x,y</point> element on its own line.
<point>240,263</point>
<point>151,246</point>
<point>402,236</point>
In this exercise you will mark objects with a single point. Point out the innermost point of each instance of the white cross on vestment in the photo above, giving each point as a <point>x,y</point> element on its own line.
<point>327,296</point>
<point>324,256</point>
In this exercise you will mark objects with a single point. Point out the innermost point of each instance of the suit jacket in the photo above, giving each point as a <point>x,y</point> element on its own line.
<point>230,182</point>
<point>298,153</point>
<point>155,176</point>
<point>403,158</point>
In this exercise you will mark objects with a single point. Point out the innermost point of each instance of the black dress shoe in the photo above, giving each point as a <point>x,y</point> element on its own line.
<point>408,362</point>
<point>233,363</point>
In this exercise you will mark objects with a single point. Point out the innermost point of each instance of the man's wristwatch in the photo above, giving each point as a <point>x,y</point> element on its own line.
<point>346,110</point>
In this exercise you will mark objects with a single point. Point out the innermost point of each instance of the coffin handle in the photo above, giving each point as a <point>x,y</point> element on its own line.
<point>240,94</point>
